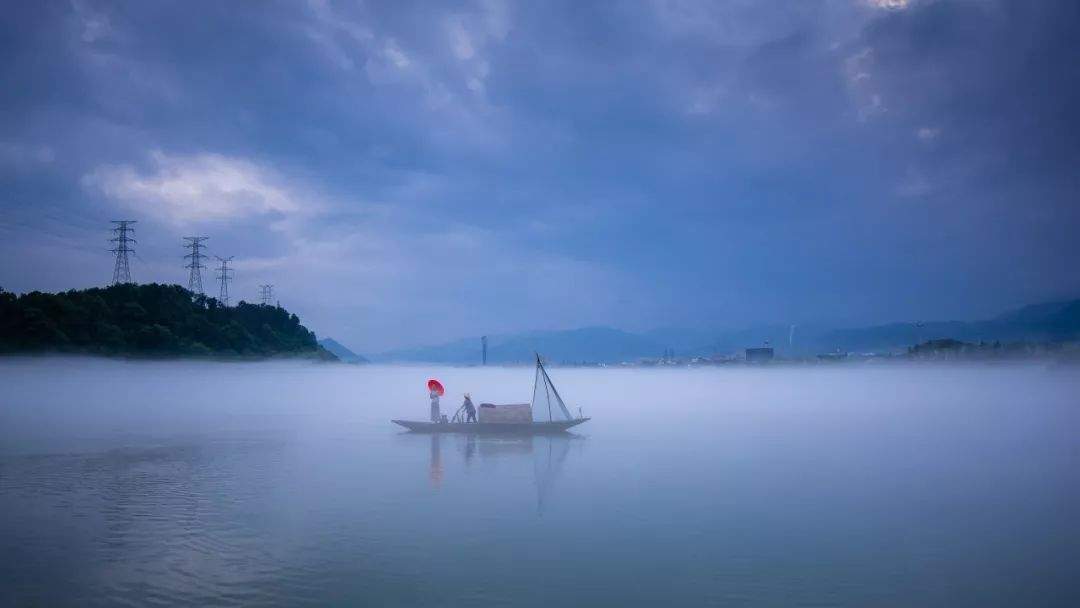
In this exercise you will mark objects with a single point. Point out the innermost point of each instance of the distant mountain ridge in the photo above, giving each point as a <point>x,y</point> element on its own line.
<point>1047,322</point>
<point>574,345</point>
<point>341,351</point>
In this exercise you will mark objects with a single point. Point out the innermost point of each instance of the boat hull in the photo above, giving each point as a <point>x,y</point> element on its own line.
<point>476,428</point>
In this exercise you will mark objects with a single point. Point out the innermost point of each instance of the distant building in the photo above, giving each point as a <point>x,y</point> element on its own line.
<point>759,355</point>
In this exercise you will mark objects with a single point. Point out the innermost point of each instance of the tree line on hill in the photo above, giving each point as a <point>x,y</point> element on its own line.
<point>149,320</point>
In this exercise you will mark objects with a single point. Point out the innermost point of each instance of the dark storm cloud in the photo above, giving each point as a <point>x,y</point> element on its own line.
<point>406,173</point>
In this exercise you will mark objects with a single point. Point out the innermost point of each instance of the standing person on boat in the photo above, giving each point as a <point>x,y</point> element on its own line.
<point>435,415</point>
<point>470,409</point>
<point>436,390</point>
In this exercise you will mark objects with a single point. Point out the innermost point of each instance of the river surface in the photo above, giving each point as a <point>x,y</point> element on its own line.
<point>284,484</point>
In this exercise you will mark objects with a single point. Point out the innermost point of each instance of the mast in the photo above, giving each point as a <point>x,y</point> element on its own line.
<point>539,370</point>
<point>536,379</point>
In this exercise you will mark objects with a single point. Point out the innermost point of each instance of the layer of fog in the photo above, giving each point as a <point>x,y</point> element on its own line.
<point>68,404</point>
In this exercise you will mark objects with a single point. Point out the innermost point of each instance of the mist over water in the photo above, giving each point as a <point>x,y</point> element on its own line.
<point>285,484</point>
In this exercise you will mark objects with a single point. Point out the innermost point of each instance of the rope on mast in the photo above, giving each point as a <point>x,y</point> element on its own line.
<point>558,398</point>
<point>540,368</point>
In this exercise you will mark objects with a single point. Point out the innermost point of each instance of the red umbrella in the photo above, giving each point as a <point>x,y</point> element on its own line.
<point>435,385</point>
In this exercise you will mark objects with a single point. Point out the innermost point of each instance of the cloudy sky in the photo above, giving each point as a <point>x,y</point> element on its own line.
<point>410,173</point>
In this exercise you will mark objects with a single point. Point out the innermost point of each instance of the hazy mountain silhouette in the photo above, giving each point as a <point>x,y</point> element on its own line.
<point>575,345</point>
<point>341,351</point>
<point>1048,322</point>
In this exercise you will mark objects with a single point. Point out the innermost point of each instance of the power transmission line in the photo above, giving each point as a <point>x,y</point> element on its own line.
<point>122,270</point>
<point>224,277</point>
<point>266,292</point>
<point>194,243</point>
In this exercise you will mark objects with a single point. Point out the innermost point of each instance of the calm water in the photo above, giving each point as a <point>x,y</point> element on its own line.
<point>284,484</point>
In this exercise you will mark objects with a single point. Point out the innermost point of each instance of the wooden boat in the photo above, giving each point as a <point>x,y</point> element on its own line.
<point>534,428</point>
<point>545,399</point>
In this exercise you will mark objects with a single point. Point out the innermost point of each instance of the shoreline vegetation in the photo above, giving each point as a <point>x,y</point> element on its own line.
<point>150,321</point>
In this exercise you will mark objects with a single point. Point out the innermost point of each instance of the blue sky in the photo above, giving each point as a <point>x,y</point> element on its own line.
<point>410,173</point>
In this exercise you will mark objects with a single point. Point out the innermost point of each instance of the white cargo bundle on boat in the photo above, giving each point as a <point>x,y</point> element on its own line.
<point>510,413</point>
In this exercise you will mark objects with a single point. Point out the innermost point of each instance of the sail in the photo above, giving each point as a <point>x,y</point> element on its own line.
<point>547,405</point>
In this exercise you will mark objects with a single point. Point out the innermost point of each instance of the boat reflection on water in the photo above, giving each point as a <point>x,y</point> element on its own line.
<point>547,453</point>
<point>435,471</point>
<point>548,464</point>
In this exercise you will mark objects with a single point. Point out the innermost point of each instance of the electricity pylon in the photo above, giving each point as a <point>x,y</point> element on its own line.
<point>224,277</point>
<point>266,292</point>
<point>194,243</point>
<point>122,270</point>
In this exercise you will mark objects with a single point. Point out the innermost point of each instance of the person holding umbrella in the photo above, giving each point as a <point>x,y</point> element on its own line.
<point>435,390</point>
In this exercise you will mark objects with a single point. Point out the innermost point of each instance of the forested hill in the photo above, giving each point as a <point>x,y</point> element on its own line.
<point>149,320</point>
